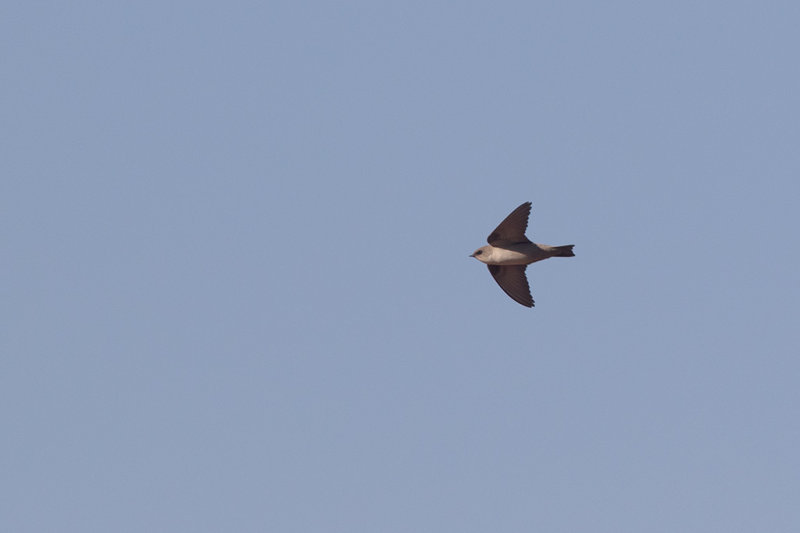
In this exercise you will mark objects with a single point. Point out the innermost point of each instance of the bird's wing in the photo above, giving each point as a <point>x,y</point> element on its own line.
<point>512,229</point>
<point>513,281</point>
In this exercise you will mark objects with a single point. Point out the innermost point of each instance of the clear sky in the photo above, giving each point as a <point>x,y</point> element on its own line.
<point>236,293</point>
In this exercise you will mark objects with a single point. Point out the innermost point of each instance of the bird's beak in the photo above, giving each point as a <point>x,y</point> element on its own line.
<point>471,255</point>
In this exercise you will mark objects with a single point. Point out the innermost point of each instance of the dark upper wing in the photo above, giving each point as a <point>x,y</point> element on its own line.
<point>512,280</point>
<point>512,229</point>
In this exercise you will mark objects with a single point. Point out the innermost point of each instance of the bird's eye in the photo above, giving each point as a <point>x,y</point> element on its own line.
<point>479,252</point>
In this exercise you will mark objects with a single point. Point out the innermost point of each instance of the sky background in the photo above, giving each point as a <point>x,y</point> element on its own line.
<point>236,293</point>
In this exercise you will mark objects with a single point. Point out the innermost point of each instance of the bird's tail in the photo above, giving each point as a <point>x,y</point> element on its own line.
<point>563,251</point>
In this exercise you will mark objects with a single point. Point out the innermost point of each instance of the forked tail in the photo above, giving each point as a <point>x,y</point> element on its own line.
<point>563,251</point>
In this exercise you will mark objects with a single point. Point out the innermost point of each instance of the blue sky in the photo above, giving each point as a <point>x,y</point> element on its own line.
<point>237,293</point>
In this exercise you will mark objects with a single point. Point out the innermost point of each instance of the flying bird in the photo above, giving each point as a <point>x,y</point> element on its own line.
<point>510,252</point>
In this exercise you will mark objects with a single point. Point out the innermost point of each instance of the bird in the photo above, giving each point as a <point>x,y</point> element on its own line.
<point>510,252</point>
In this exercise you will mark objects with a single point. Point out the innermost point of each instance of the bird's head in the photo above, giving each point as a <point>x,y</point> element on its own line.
<point>481,254</point>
